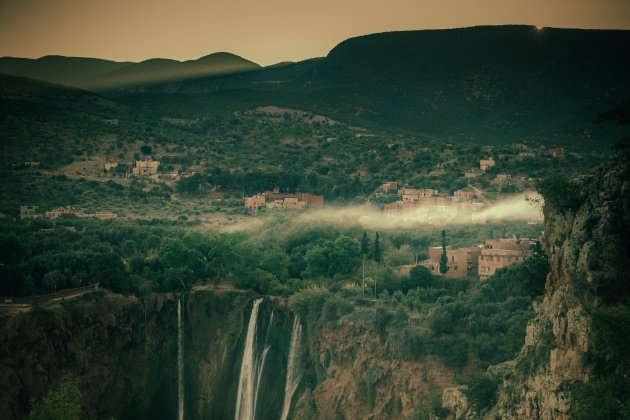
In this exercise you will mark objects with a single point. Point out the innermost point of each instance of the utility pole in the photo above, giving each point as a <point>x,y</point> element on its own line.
<point>374,287</point>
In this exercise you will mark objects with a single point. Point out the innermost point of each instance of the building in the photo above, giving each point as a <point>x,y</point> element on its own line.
<point>389,186</point>
<point>500,253</point>
<point>557,152</point>
<point>485,164</point>
<point>502,179</point>
<point>286,203</point>
<point>309,200</point>
<point>29,212</point>
<point>64,213</point>
<point>462,196</point>
<point>254,202</point>
<point>422,192</point>
<point>110,165</point>
<point>105,215</point>
<point>146,168</point>
<point>462,262</point>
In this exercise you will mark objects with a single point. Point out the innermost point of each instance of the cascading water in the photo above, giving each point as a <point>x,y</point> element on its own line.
<point>180,362</point>
<point>293,379</point>
<point>250,371</point>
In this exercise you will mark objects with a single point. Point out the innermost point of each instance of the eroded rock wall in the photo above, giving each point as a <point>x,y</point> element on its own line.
<point>587,239</point>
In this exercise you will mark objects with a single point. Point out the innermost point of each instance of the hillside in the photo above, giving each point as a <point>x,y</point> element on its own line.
<point>482,84</point>
<point>91,73</point>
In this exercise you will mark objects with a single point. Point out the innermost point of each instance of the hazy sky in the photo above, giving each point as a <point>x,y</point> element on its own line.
<point>265,31</point>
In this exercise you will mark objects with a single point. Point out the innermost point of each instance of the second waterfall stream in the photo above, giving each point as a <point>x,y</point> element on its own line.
<point>293,376</point>
<point>250,370</point>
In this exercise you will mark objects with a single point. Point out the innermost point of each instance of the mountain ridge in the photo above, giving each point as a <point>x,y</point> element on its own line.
<point>96,73</point>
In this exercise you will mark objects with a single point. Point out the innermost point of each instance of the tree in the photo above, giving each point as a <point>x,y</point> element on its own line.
<point>420,276</point>
<point>443,257</point>
<point>365,249</point>
<point>53,280</point>
<point>146,149</point>
<point>189,185</point>
<point>61,403</point>
<point>377,253</point>
<point>365,244</point>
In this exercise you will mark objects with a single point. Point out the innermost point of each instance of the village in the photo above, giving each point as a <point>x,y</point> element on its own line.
<point>481,261</point>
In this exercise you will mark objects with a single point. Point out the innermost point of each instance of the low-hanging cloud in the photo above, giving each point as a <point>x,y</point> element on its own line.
<point>520,207</point>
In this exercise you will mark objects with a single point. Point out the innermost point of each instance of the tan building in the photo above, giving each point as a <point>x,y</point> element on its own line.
<point>286,203</point>
<point>557,152</point>
<point>462,262</point>
<point>462,196</point>
<point>484,164</point>
<point>422,192</point>
<point>309,200</point>
<point>110,165</point>
<point>64,213</point>
<point>146,167</point>
<point>105,215</point>
<point>499,253</point>
<point>254,202</point>
<point>389,186</point>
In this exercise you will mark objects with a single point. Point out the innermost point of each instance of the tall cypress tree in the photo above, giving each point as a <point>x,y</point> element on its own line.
<point>365,245</point>
<point>377,254</point>
<point>443,258</point>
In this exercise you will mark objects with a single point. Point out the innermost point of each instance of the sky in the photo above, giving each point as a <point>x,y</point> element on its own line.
<point>264,31</point>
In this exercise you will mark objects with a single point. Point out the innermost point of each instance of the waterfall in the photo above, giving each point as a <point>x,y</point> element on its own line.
<point>293,379</point>
<point>250,371</point>
<point>180,362</point>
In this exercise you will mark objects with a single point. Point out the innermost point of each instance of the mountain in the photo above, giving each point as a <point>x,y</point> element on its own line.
<point>90,73</point>
<point>487,84</point>
<point>58,69</point>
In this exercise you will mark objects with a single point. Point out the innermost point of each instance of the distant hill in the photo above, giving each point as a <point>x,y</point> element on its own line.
<point>25,97</point>
<point>58,69</point>
<point>97,74</point>
<point>486,84</point>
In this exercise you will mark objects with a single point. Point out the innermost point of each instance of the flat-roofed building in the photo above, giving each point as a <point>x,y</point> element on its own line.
<point>462,262</point>
<point>485,164</point>
<point>254,202</point>
<point>500,253</point>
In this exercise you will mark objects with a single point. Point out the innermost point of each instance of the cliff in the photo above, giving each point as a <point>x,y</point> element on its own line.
<point>110,342</point>
<point>587,223</point>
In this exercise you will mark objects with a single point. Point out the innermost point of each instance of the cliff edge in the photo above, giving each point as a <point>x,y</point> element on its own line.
<point>572,344</point>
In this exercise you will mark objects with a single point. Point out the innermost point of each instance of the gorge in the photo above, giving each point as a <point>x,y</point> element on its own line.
<point>218,353</point>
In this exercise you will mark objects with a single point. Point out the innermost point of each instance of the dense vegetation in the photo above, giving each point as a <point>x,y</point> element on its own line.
<point>318,266</point>
<point>279,258</point>
<point>471,326</point>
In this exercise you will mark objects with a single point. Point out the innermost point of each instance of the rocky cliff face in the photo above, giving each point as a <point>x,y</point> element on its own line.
<point>586,238</point>
<point>360,376</point>
<point>111,343</point>
<point>123,351</point>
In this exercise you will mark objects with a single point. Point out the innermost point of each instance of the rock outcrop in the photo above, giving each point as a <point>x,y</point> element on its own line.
<point>586,238</point>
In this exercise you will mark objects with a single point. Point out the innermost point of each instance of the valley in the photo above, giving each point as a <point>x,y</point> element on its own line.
<point>419,225</point>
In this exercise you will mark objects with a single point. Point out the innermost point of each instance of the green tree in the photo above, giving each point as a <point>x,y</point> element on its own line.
<point>443,257</point>
<point>377,253</point>
<point>61,403</point>
<point>419,276</point>
<point>54,280</point>
<point>365,245</point>
<point>189,185</point>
